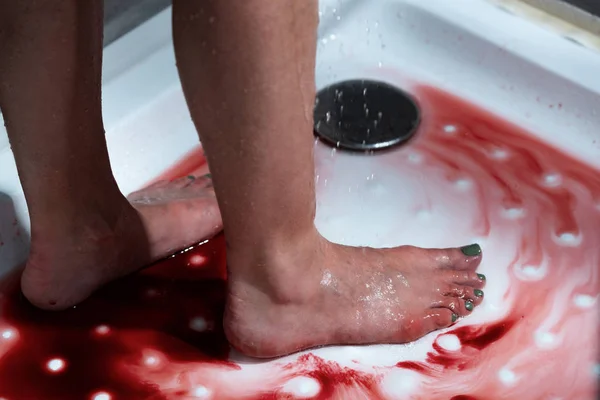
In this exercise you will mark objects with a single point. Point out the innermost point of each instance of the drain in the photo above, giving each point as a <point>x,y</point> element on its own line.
<point>365,115</point>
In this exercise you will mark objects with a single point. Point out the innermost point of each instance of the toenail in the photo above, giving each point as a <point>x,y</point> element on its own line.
<point>471,250</point>
<point>192,177</point>
<point>454,317</point>
<point>481,277</point>
<point>469,305</point>
<point>478,293</point>
<point>209,176</point>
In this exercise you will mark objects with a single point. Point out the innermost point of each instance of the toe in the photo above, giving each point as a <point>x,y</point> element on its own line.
<point>466,258</point>
<point>459,306</point>
<point>440,318</point>
<point>475,296</point>
<point>466,278</point>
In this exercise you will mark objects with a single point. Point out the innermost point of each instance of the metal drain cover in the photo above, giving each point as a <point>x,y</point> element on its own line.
<point>365,115</point>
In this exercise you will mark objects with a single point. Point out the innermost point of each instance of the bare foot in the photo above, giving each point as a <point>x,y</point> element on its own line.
<point>70,260</point>
<point>333,294</point>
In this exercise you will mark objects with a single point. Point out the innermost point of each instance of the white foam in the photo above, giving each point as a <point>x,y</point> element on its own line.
<point>302,387</point>
<point>449,342</point>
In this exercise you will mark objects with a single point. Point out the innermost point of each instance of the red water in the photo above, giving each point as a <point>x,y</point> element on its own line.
<point>158,334</point>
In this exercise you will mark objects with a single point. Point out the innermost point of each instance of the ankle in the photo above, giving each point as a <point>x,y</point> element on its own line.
<point>286,270</point>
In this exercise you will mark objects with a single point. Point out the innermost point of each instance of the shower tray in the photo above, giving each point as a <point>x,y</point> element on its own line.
<point>507,155</point>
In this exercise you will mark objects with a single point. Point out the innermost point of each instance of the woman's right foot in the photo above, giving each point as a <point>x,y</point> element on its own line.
<point>348,295</point>
<point>91,247</point>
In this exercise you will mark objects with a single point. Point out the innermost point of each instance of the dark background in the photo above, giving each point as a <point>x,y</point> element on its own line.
<point>591,6</point>
<point>121,16</point>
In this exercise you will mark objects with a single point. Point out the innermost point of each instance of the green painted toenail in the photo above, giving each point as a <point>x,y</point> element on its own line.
<point>454,317</point>
<point>192,177</point>
<point>478,293</point>
<point>481,277</point>
<point>209,176</point>
<point>469,305</point>
<point>471,250</point>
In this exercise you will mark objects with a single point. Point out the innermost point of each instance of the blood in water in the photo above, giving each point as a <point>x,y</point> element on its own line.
<point>158,334</point>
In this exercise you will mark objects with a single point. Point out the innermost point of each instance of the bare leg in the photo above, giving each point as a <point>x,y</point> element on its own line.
<point>84,231</point>
<point>247,69</point>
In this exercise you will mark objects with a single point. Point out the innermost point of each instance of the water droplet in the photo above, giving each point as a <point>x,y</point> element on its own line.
<point>552,180</point>
<point>211,20</point>
<point>101,396</point>
<point>450,129</point>
<point>379,64</point>
<point>332,37</point>
<point>328,117</point>
<point>366,112</point>
<point>364,94</point>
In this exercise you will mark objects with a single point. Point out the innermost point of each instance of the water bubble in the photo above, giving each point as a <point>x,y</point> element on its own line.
<point>56,365</point>
<point>507,376</point>
<point>379,115</point>
<point>198,324</point>
<point>332,37</point>
<point>102,330</point>
<point>545,340</point>
<point>365,93</point>
<point>302,387</point>
<point>101,396</point>
<point>584,301</point>
<point>379,64</point>
<point>569,239</point>
<point>201,392</point>
<point>366,112</point>
<point>328,117</point>
<point>450,129</point>
<point>513,213</point>
<point>463,184</point>
<point>8,334</point>
<point>552,180</point>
